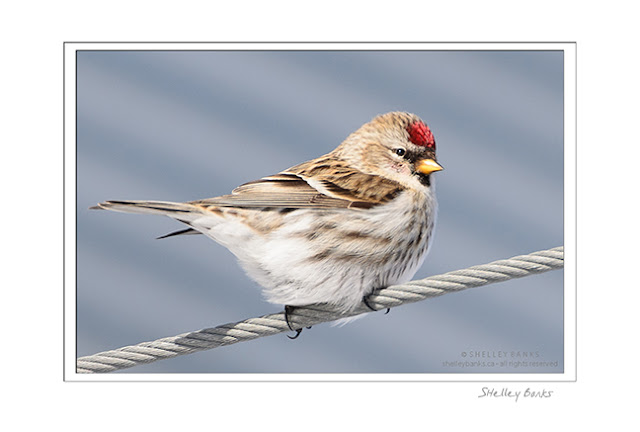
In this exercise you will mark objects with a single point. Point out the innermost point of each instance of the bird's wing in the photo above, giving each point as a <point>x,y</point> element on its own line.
<point>316,184</point>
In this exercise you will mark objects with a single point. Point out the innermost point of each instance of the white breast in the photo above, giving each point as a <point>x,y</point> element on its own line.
<point>335,256</point>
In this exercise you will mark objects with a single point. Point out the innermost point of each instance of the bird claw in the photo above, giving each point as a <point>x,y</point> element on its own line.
<point>366,302</point>
<point>297,334</point>
<point>288,310</point>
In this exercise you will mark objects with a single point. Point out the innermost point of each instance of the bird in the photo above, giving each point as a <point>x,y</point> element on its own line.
<point>330,230</point>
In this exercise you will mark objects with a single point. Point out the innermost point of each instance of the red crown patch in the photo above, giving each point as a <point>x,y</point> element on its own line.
<point>420,135</point>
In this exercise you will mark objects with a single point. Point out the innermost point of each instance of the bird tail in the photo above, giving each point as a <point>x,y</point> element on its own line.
<point>182,212</point>
<point>174,210</point>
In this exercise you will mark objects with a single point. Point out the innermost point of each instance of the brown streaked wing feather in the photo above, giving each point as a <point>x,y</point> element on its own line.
<point>279,191</point>
<point>345,182</point>
<point>344,187</point>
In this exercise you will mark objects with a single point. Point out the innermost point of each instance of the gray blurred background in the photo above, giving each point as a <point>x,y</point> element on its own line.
<point>179,126</point>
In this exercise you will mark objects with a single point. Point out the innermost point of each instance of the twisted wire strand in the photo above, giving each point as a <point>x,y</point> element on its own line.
<point>267,325</point>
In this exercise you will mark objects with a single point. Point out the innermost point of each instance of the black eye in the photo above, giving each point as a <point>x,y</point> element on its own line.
<point>400,151</point>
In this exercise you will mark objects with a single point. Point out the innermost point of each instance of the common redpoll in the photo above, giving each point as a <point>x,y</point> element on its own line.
<point>330,230</point>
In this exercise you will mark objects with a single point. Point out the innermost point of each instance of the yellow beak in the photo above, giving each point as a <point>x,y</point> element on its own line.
<point>427,166</point>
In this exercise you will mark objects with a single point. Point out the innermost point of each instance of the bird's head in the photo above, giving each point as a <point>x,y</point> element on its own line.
<point>397,145</point>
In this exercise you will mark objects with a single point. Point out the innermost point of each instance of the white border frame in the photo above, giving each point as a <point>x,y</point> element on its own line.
<point>570,145</point>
